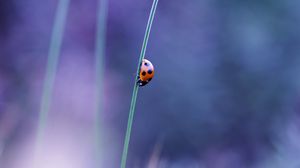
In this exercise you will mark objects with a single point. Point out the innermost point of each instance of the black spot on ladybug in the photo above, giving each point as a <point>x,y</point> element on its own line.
<point>143,73</point>
<point>146,64</point>
<point>149,71</point>
<point>149,79</point>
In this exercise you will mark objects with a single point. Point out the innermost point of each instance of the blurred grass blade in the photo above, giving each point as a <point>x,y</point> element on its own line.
<point>100,53</point>
<point>136,87</point>
<point>53,55</point>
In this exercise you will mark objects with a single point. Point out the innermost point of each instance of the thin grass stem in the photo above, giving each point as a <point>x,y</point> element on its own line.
<point>136,87</point>
<point>99,54</point>
<point>53,56</point>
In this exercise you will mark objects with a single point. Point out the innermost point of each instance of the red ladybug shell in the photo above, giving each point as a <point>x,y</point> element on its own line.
<point>146,72</point>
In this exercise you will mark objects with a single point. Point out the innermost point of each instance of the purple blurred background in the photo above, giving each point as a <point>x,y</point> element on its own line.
<point>225,94</point>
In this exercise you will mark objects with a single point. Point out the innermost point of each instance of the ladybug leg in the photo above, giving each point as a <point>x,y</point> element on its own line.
<point>139,82</point>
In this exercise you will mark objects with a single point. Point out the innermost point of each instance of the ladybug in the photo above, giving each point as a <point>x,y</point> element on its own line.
<point>146,73</point>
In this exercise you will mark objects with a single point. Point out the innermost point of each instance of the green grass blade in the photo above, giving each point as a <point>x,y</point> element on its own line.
<point>136,87</point>
<point>100,53</point>
<point>53,55</point>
